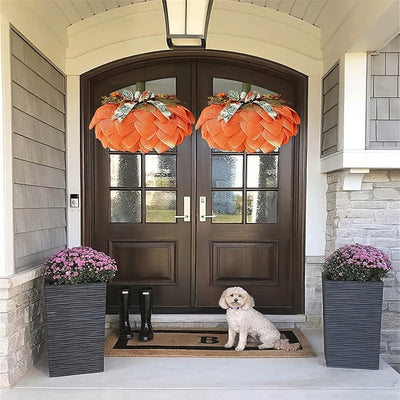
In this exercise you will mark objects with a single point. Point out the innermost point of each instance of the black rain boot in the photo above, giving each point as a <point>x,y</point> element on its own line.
<point>125,330</point>
<point>146,305</point>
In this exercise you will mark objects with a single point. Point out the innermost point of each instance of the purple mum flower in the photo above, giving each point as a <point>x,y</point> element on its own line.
<point>357,262</point>
<point>79,265</point>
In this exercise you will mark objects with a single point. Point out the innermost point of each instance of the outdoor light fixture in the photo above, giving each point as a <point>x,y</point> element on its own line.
<point>186,22</point>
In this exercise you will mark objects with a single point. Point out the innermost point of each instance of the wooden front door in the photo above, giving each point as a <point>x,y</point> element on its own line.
<point>245,211</point>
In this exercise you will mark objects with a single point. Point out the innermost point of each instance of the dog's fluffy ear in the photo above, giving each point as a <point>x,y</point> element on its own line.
<point>222,302</point>
<point>249,302</point>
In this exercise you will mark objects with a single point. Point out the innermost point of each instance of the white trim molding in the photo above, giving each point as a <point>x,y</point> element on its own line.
<point>352,101</point>
<point>6,180</point>
<point>352,178</point>
<point>352,153</point>
<point>373,159</point>
<point>73,141</point>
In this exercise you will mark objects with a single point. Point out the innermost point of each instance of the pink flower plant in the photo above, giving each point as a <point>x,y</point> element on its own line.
<point>79,265</point>
<point>357,262</point>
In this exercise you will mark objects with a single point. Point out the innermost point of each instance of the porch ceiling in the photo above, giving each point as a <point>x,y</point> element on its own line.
<point>71,11</point>
<point>335,26</point>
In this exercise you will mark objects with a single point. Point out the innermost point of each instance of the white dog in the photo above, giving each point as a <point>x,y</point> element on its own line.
<point>246,321</point>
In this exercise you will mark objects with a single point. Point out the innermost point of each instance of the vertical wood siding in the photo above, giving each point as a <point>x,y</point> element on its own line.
<point>39,176</point>
<point>330,100</point>
<point>384,98</point>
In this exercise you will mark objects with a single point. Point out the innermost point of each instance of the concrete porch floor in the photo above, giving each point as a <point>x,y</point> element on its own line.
<point>208,378</point>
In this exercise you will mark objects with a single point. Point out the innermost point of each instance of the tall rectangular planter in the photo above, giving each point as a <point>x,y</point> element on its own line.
<point>352,323</point>
<point>75,328</point>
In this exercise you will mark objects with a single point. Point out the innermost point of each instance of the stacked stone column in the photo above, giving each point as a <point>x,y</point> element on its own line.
<point>22,327</point>
<point>371,216</point>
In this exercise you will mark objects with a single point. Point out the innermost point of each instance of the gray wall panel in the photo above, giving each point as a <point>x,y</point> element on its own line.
<point>32,82</point>
<point>35,61</point>
<point>330,100</point>
<point>388,131</point>
<point>330,119</point>
<point>383,125</point>
<point>28,243</point>
<point>30,127</point>
<point>33,260</point>
<point>331,79</point>
<point>39,163</point>
<point>385,86</point>
<point>38,197</point>
<point>34,106</point>
<point>28,173</point>
<point>394,110</point>
<point>38,153</point>
<point>382,108</point>
<point>36,219</point>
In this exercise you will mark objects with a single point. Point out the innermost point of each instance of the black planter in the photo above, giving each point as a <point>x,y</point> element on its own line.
<point>75,328</point>
<point>352,323</point>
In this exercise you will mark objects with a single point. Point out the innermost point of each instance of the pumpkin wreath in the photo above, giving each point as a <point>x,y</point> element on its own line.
<point>141,121</point>
<point>247,122</point>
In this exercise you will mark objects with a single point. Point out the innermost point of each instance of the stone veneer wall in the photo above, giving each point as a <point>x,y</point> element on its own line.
<point>371,216</point>
<point>313,293</point>
<point>22,325</point>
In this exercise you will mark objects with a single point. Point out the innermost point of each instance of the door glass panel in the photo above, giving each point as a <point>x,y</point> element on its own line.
<point>160,206</point>
<point>262,90</point>
<point>227,171</point>
<point>125,170</point>
<point>131,170</point>
<point>160,170</point>
<point>262,206</point>
<point>125,205</point>
<point>227,206</point>
<point>225,85</point>
<point>157,86</point>
<point>262,171</point>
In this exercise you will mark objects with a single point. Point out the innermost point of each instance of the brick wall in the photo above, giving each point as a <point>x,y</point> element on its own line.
<point>22,328</point>
<point>371,216</point>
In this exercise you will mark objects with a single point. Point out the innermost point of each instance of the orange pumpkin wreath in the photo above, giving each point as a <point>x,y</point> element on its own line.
<point>248,122</point>
<point>141,122</point>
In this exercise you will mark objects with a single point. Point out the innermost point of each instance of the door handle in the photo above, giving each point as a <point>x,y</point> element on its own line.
<point>186,209</point>
<point>203,209</point>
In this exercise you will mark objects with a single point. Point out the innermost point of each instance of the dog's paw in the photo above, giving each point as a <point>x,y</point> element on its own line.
<point>283,344</point>
<point>239,348</point>
<point>294,346</point>
<point>228,345</point>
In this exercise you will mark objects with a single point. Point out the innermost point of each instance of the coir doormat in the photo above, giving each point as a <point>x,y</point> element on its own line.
<point>199,343</point>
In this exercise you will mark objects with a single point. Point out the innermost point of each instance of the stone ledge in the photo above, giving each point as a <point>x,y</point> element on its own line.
<point>315,259</point>
<point>20,278</point>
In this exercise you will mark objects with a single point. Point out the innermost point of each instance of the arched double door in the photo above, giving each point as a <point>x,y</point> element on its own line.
<point>255,239</point>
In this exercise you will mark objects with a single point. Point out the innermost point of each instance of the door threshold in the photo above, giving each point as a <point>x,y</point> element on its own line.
<point>201,320</point>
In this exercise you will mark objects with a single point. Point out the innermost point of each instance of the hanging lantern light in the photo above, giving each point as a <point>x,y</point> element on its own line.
<point>186,22</point>
<point>247,122</point>
<point>141,122</point>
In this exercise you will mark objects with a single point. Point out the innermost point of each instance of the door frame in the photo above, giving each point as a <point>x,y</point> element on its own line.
<point>224,58</point>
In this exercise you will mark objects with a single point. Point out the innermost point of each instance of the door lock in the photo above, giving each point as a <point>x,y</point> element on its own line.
<point>203,208</point>
<point>186,209</point>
